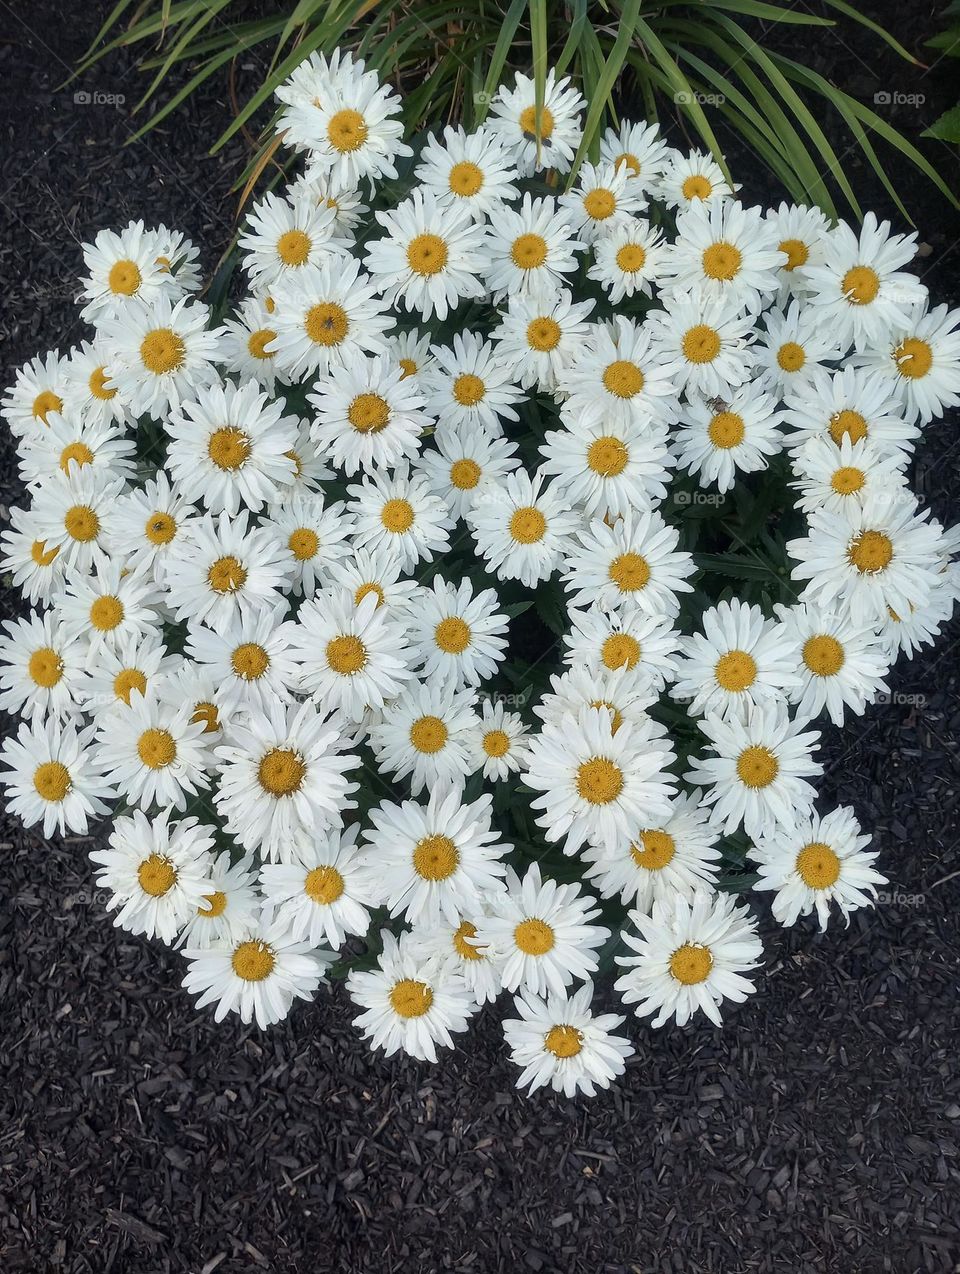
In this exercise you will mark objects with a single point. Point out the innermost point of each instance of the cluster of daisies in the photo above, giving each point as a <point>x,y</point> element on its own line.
<point>280,561</point>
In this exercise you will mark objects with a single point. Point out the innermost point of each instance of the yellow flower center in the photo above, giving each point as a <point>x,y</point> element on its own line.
<point>630,572</point>
<point>620,650</point>
<point>631,258</point>
<point>249,661</point>
<point>258,341</point>
<point>600,204</point>
<point>226,575</point>
<point>757,766</point>
<point>528,123</point>
<point>736,670</point>
<point>281,772</point>
<point>409,368</point>
<point>848,424</point>
<point>860,285</point>
<point>691,963</point>
<point>655,850</point>
<point>97,384</point>
<point>465,474</point>
<point>534,937</point>
<point>435,858</point>
<point>722,261</point>
<point>81,523</point>
<point>543,334</point>
<point>466,179</point>
<point>607,456</point>
<point>427,254</point>
<point>303,543</point>
<point>205,713</point>
<point>347,131</point>
<point>365,590</point>
<point>628,161</point>
<point>346,655</point>
<point>326,323</point>
<point>496,743</point>
<point>293,247</point>
<point>823,655</point>
<point>623,379</point>
<point>469,390</point>
<point>41,555</point>
<point>791,356</point>
<point>157,875</point>
<point>157,749</point>
<point>253,961</point>
<point>527,525</point>
<point>913,357</point>
<point>428,735</point>
<point>216,905</point>
<point>160,528</point>
<point>410,998</point>
<point>726,430</point>
<point>162,351</point>
<point>52,780</point>
<point>45,667</point>
<point>228,448</point>
<point>818,865</point>
<point>397,516</point>
<point>696,186</point>
<point>323,885</point>
<point>464,948</point>
<point>78,452</point>
<point>528,251</point>
<point>599,781</point>
<point>124,278</point>
<point>797,253</point>
<point>369,413</point>
<point>106,613</point>
<point>847,480</point>
<point>452,635</point>
<point>701,344</point>
<point>563,1041</point>
<point>45,402</point>
<point>126,681</point>
<point>870,552</point>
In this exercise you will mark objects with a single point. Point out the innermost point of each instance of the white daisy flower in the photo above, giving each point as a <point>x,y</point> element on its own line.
<point>841,664</point>
<point>41,387</point>
<point>604,196</point>
<point>248,344</point>
<point>540,933</point>
<point>72,442</point>
<point>396,512</point>
<point>646,644</point>
<point>689,180</point>
<point>718,438</point>
<point>123,269</point>
<point>42,668</point>
<point>600,781</point>
<point>283,779</point>
<point>190,684</point>
<point>134,666</point>
<point>756,773</point>
<point>623,693</point>
<point>635,562</point>
<point>369,414</point>
<point>467,461</point>
<point>89,388</point>
<point>457,636</point>
<point>220,569</point>
<point>870,558</point>
<point>467,170</point>
<point>251,658</point>
<point>801,234</point>
<point>639,149</point>
<point>153,754</point>
<point>75,513</point>
<point>607,466</point>
<point>35,568</point>
<point>283,235</point>
<point>907,634</point>
<point>500,743</point>
<point>738,660</point>
<point>108,608</point>
<point>677,857</point>
<point>859,292</point>
<point>559,1041</point>
<point>345,202</point>
<point>433,862</point>
<point>322,898</point>
<point>851,403</point>
<point>257,977</point>
<point>831,477</point>
<point>157,872</point>
<point>724,252</point>
<point>710,342</point>
<point>322,315</point>
<point>147,522</point>
<point>229,908</point>
<point>410,350</point>
<point>815,862</point>
<point>467,385</point>
<point>620,372</point>
<point>540,335</point>
<point>530,248</point>
<point>544,138</point>
<point>310,536</point>
<point>409,1005</point>
<point>179,259</point>
<point>309,468</point>
<point>691,956</point>
<point>377,573</point>
<point>454,947</point>
<point>430,258</point>
<point>522,527</point>
<point>921,360</point>
<point>791,349</point>
<point>230,447</point>
<point>425,734</point>
<point>310,80</point>
<point>350,656</point>
<point>629,259</point>
<point>160,354</point>
<point>54,777</point>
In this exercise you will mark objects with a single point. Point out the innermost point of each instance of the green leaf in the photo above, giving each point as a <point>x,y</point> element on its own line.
<point>946,128</point>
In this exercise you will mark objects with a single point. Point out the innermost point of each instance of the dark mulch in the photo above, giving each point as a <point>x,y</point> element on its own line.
<point>816,1132</point>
